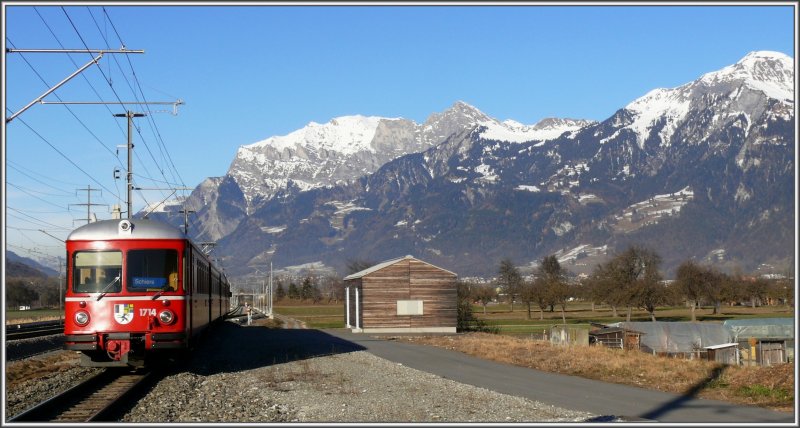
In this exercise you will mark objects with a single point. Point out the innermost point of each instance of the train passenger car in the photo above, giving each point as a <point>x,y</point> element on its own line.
<point>138,290</point>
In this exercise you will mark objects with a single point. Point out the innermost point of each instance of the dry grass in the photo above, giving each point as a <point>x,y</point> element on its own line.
<point>771,387</point>
<point>37,368</point>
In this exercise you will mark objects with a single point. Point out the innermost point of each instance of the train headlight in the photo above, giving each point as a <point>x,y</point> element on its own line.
<point>81,318</point>
<point>166,317</point>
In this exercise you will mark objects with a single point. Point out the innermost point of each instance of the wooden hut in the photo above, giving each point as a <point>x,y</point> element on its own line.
<point>616,337</point>
<point>725,353</point>
<point>403,295</point>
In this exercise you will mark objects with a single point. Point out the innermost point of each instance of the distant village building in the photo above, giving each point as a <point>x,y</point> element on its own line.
<point>403,295</point>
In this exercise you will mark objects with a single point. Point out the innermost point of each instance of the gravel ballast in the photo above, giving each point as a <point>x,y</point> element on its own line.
<point>257,374</point>
<point>348,387</point>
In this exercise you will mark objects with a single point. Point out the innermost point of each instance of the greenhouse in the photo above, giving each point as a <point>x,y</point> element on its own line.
<point>662,337</point>
<point>760,328</point>
<point>763,341</point>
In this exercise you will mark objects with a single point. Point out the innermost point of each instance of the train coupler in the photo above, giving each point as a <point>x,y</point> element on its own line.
<point>116,349</point>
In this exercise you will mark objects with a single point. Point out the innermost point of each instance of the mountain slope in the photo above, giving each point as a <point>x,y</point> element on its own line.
<point>330,154</point>
<point>704,171</point>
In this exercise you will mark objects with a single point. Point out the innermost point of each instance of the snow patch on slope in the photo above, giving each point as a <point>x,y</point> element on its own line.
<point>346,135</point>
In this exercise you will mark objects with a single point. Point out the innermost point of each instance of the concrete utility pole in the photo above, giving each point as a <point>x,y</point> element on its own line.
<point>130,115</point>
<point>186,220</point>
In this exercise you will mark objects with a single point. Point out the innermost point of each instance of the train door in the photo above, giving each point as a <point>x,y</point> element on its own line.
<point>210,295</point>
<point>188,284</point>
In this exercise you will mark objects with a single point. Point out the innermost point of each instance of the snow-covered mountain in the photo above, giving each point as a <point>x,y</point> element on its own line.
<point>336,152</point>
<point>349,147</point>
<point>742,88</point>
<point>703,170</point>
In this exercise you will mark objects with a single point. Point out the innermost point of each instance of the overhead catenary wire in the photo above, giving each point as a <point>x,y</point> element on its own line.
<point>80,36</point>
<point>16,168</point>
<point>27,192</point>
<point>150,119</point>
<point>29,173</point>
<point>70,110</point>
<point>163,158</point>
<point>35,251</point>
<point>122,131</point>
<point>65,156</point>
<point>33,218</point>
<point>138,84</point>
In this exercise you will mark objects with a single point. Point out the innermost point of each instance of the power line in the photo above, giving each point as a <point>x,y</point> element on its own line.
<point>24,229</point>
<point>64,192</point>
<point>59,98</point>
<point>138,84</point>
<point>65,156</point>
<point>23,170</point>
<point>34,218</point>
<point>88,203</point>
<point>82,75</point>
<point>36,197</point>
<point>109,84</point>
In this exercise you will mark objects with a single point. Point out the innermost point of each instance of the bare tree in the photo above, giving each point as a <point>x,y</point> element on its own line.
<point>605,287</point>
<point>527,295</point>
<point>554,280</point>
<point>509,280</point>
<point>692,280</point>
<point>647,290</point>
<point>483,293</point>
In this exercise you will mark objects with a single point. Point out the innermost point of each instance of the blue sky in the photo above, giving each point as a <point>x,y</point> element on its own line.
<point>250,72</point>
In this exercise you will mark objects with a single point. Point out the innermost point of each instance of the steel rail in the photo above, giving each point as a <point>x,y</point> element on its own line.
<point>98,398</point>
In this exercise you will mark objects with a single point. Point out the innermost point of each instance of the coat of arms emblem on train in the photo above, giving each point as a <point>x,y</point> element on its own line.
<point>123,313</point>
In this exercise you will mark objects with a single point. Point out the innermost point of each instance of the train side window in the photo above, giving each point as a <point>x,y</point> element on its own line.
<point>97,271</point>
<point>152,270</point>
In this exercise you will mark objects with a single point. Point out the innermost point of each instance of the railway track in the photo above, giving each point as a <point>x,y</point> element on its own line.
<point>102,397</point>
<point>33,329</point>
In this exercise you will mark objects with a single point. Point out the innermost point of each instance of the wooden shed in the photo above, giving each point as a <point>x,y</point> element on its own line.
<point>616,337</point>
<point>726,353</point>
<point>403,295</point>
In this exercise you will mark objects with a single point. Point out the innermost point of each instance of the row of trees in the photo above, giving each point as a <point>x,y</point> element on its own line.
<point>310,288</point>
<point>631,279</point>
<point>33,291</point>
<point>314,288</point>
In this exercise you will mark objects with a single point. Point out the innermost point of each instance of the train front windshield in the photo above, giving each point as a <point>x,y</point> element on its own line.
<point>152,270</point>
<point>97,271</point>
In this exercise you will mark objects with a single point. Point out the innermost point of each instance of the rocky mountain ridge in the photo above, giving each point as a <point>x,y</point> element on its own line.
<point>704,171</point>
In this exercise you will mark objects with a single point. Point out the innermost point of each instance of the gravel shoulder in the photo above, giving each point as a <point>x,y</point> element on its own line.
<point>257,374</point>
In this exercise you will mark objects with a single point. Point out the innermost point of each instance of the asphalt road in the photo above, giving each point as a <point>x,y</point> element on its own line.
<point>601,398</point>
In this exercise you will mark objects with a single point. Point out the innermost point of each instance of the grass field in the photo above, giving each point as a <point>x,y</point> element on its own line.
<point>32,315</point>
<point>331,315</point>
<point>771,387</point>
<point>315,316</point>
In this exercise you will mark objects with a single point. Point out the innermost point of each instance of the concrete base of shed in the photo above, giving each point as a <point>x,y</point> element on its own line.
<point>405,330</point>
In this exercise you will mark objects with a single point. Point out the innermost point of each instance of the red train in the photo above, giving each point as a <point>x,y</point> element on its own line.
<point>138,289</point>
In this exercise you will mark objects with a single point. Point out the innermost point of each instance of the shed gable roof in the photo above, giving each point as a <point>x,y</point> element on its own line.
<point>386,263</point>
